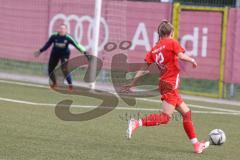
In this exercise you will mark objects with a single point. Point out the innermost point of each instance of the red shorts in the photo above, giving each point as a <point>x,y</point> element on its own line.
<point>172,97</point>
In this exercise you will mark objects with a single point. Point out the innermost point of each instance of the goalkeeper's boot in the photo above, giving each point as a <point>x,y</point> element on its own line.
<point>53,86</point>
<point>200,146</point>
<point>70,88</point>
<point>133,125</point>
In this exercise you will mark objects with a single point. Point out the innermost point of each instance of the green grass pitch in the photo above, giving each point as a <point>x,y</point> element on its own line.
<point>33,132</point>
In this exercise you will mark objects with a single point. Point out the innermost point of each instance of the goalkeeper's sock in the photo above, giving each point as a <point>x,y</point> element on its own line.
<point>69,79</point>
<point>155,119</point>
<point>189,127</point>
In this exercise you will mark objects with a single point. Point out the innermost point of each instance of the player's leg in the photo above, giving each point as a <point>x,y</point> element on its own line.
<point>189,127</point>
<point>64,67</point>
<point>152,119</point>
<point>53,61</point>
<point>187,121</point>
<point>159,118</point>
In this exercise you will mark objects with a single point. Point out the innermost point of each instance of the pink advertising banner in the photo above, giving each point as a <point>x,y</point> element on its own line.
<point>26,26</point>
<point>232,61</point>
<point>139,26</point>
<point>23,28</point>
<point>200,35</point>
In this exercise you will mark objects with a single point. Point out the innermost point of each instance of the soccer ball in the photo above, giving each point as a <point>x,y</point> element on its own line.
<point>217,137</point>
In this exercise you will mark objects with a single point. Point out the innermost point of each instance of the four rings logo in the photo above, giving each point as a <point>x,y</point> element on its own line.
<point>79,32</point>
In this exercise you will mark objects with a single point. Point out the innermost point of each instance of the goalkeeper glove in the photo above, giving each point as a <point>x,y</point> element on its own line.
<point>36,53</point>
<point>87,56</point>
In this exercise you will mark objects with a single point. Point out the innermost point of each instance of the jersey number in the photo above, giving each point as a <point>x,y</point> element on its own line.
<point>159,58</point>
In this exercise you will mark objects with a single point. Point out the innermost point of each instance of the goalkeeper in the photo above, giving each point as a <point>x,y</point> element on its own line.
<point>60,52</point>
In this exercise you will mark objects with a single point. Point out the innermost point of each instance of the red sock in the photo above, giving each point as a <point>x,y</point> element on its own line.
<point>188,125</point>
<point>155,119</point>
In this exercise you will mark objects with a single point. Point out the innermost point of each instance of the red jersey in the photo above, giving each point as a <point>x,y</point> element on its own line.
<point>165,55</point>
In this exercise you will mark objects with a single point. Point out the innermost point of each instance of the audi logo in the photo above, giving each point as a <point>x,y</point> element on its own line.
<point>79,32</point>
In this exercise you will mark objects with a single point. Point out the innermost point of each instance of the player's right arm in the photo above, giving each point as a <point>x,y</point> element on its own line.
<point>46,46</point>
<point>179,51</point>
<point>186,58</point>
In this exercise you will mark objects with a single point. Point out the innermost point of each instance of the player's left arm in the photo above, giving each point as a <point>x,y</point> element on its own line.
<point>186,58</point>
<point>144,69</point>
<point>139,74</point>
<point>78,46</point>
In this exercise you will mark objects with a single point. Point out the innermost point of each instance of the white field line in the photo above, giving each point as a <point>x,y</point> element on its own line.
<point>117,108</point>
<point>198,106</point>
<point>44,84</point>
<point>24,84</point>
<point>143,99</point>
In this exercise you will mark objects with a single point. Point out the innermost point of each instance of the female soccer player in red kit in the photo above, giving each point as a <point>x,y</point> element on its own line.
<point>166,54</point>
